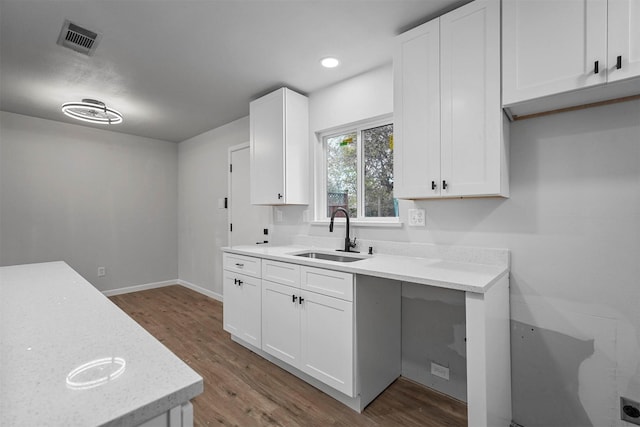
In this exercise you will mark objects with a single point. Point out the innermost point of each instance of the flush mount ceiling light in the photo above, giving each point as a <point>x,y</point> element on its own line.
<point>92,111</point>
<point>329,62</point>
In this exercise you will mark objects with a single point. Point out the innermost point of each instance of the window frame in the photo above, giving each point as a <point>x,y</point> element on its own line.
<point>320,184</point>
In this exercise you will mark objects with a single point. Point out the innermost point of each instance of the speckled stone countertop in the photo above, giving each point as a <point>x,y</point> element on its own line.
<point>70,357</point>
<point>456,268</point>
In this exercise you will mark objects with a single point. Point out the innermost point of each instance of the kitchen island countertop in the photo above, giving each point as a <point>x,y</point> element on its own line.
<point>71,357</point>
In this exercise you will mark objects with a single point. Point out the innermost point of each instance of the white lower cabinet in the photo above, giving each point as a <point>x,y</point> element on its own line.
<point>241,311</point>
<point>326,326</point>
<point>304,319</point>
<point>309,331</point>
<point>281,322</point>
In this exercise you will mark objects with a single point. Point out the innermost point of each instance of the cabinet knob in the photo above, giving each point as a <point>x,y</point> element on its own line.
<point>279,196</point>
<point>293,298</point>
<point>433,185</point>
<point>444,184</point>
<point>596,69</point>
<point>619,62</point>
<point>300,300</point>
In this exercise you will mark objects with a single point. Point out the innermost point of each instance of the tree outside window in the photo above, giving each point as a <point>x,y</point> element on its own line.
<point>359,172</point>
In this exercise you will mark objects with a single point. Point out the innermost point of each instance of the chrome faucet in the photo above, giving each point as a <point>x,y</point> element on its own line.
<point>348,244</point>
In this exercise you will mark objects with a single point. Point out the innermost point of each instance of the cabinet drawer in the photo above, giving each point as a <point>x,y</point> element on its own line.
<point>281,272</point>
<point>242,264</point>
<point>327,282</point>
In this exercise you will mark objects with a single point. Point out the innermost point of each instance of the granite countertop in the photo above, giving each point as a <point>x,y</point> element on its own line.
<point>71,357</point>
<point>445,273</point>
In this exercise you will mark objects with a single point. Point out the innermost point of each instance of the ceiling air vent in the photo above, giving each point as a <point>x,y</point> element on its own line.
<point>78,38</point>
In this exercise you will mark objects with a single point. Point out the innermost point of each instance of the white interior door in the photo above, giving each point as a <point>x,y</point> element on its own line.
<point>246,221</point>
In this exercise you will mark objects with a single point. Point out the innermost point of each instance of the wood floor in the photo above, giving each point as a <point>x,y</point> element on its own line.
<point>243,389</point>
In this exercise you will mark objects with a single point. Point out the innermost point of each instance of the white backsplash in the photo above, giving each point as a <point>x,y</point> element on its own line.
<point>475,255</point>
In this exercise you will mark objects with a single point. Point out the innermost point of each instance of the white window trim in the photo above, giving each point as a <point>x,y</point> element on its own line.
<point>320,178</point>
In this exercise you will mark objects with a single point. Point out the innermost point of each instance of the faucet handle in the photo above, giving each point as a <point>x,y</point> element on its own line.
<point>353,244</point>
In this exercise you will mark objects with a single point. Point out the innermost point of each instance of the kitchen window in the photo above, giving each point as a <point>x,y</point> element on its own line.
<point>357,172</point>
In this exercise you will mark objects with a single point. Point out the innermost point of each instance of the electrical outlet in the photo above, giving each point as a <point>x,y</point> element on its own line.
<point>416,217</point>
<point>440,371</point>
<point>629,411</point>
<point>102,271</point>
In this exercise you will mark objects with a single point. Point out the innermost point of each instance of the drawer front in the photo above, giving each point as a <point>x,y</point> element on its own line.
<point>327,282</point>
<point>242,264</point>
<point>281,272</point>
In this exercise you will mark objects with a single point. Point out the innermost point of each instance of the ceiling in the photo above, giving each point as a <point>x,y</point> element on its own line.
<point>177,68</point>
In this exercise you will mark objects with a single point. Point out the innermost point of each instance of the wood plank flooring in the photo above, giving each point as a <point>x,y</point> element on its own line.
<point>243,389</point>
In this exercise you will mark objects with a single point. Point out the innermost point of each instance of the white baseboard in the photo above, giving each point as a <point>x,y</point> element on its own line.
<point>137,288</point>
<point>201,290</point>
<point>154,285</point>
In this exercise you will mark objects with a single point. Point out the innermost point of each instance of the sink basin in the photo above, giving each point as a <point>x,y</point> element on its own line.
<point>329,257</point>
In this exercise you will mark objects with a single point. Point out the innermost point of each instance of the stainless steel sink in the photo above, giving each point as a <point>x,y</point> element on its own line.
<point>329,257</point>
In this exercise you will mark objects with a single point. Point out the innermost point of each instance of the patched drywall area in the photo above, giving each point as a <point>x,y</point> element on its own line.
<point>547,351</point>
<point>433,330</point>
<point>563,360</point>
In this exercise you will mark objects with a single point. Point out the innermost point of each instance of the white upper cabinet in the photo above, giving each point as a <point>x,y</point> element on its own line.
<point>559,46</point>
<point>624,39</point>
<point>472,123</point>
<point>552,46</point>
<point>450,132</point>
<point>279,141</point>
<point>416,110</point>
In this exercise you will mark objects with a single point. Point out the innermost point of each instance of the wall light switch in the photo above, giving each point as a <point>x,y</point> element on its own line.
<point>416,217</point>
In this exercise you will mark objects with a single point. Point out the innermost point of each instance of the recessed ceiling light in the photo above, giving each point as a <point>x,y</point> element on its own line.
<point>330,62</point>
<point>92,111</point>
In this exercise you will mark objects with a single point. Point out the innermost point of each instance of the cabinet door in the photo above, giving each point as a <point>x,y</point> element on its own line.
<point>296,167</point>
<point>551,46</point>
<point>471,109</point>
<point>232,308</point>
<point>241,311</point>
<point>266,146</point>
<point>281,322</point>
<point>624,39</point>
<point>327,340</point>
<point>416,107</point>
<point>251,311</point>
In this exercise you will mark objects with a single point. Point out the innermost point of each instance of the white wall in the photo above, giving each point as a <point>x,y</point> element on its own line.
<point>572,225</point>
<point>203,163</point>
<point>89,197</point>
